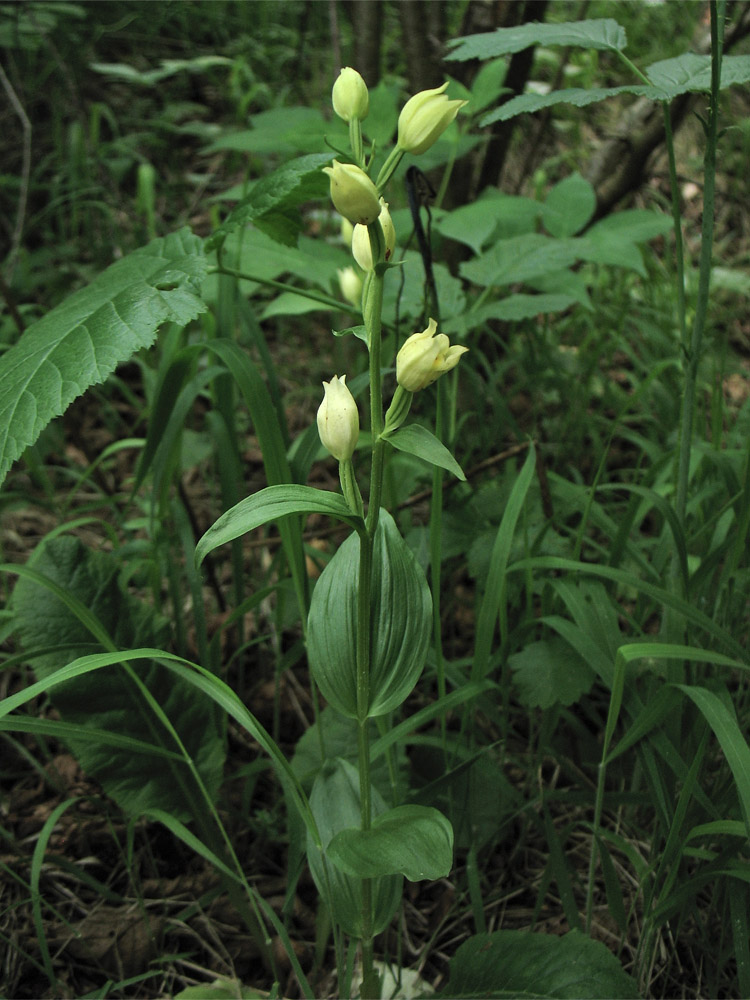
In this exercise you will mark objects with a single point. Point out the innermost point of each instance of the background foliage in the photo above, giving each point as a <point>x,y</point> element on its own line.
<point>582,713</point>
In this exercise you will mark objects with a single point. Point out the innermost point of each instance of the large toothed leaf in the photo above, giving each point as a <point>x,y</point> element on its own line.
<point>597,33</point>
<point>273,202</point>
<point>80,342</point>
<point>112,699</point>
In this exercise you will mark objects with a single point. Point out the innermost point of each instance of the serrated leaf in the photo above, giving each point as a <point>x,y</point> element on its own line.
<point>401,617</point>
<point>284,132</point>
<point>111,699</point>
<point>272,504</point>
<point>273,197</point>
<point>417,440</point>
<point>550,672</point>
<point>413,841</point>
<point>81,341</point>
<point>577,96</point>
<point>493,213</point>
<point>516,964</point>
<point>691,72</point>
<point>569,206</point>
<point>598,33</point>
<point>521,258</point>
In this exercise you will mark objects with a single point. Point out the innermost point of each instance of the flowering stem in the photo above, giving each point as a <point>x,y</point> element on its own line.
<point>372,307</point>
<point>389,168</point>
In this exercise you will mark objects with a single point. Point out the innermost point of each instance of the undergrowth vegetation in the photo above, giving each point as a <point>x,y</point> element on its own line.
<point>434,683</point>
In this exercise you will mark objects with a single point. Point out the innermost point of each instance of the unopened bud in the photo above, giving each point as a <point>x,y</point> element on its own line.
<point>361,248</point>
<point>349,95</point>
<point>350,284</point>
<point>353,193</point>
<point>338,419</point>
<point>424,118</point>
<point>424,358</point>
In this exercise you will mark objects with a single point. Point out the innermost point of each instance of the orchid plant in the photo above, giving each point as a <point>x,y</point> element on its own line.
<point>370,617</point>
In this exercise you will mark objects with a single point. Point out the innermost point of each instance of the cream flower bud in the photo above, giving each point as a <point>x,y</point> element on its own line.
<point>353,193</point>
<point>361,239</point>
<point>346,231</point>
<point>424,118</point>
<point>338,419</point>
<point>349,95</point>
<point>350,284</point>
<point>424,358</point>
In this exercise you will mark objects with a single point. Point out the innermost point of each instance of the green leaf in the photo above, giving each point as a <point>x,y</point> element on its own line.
<point>599,33</point>
<point>635,225</point>
<point>335,803</point>
<point>569,206</point>
<point>81,341</point>
<point>417,440</point>
<point>401,617</point>
<point>727,731</point>
<point>550,672</point>
<point>493,213</point>
<point>521,258</point>
<point>271,504</point>
<point>284,132</point>
<point>292,304</point>
<point>516,964</point>
<point>690,72</point>
<point>113,700</point>
<point>274,196</point>
<point>511,309</point>
<point>494,601</point>
<point>168,68</point>
<point>414,841</point>
<point>577,96</point>
<point>220,989</point>
<point>360,332</point>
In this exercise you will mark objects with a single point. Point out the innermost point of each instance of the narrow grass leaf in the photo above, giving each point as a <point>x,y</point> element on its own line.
<point>727,731</point>
<point>494,595</point>
<point>37,861</point>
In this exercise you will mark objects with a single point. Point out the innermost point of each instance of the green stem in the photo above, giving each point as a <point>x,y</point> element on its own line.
<point>355,141</point>
<point>283,286</point>
<point>389,168</point>
<point>436,558</point>
<point>372,308</point>
<point>704,273</point>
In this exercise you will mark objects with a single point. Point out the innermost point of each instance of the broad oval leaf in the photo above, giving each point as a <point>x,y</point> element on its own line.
<point>81,341</point>
<point>414,841</point>
<point>520,964</point>
<point>401,622</point>
<point>569,206</point>
<point>335,805</point>
<point>271,504</point>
